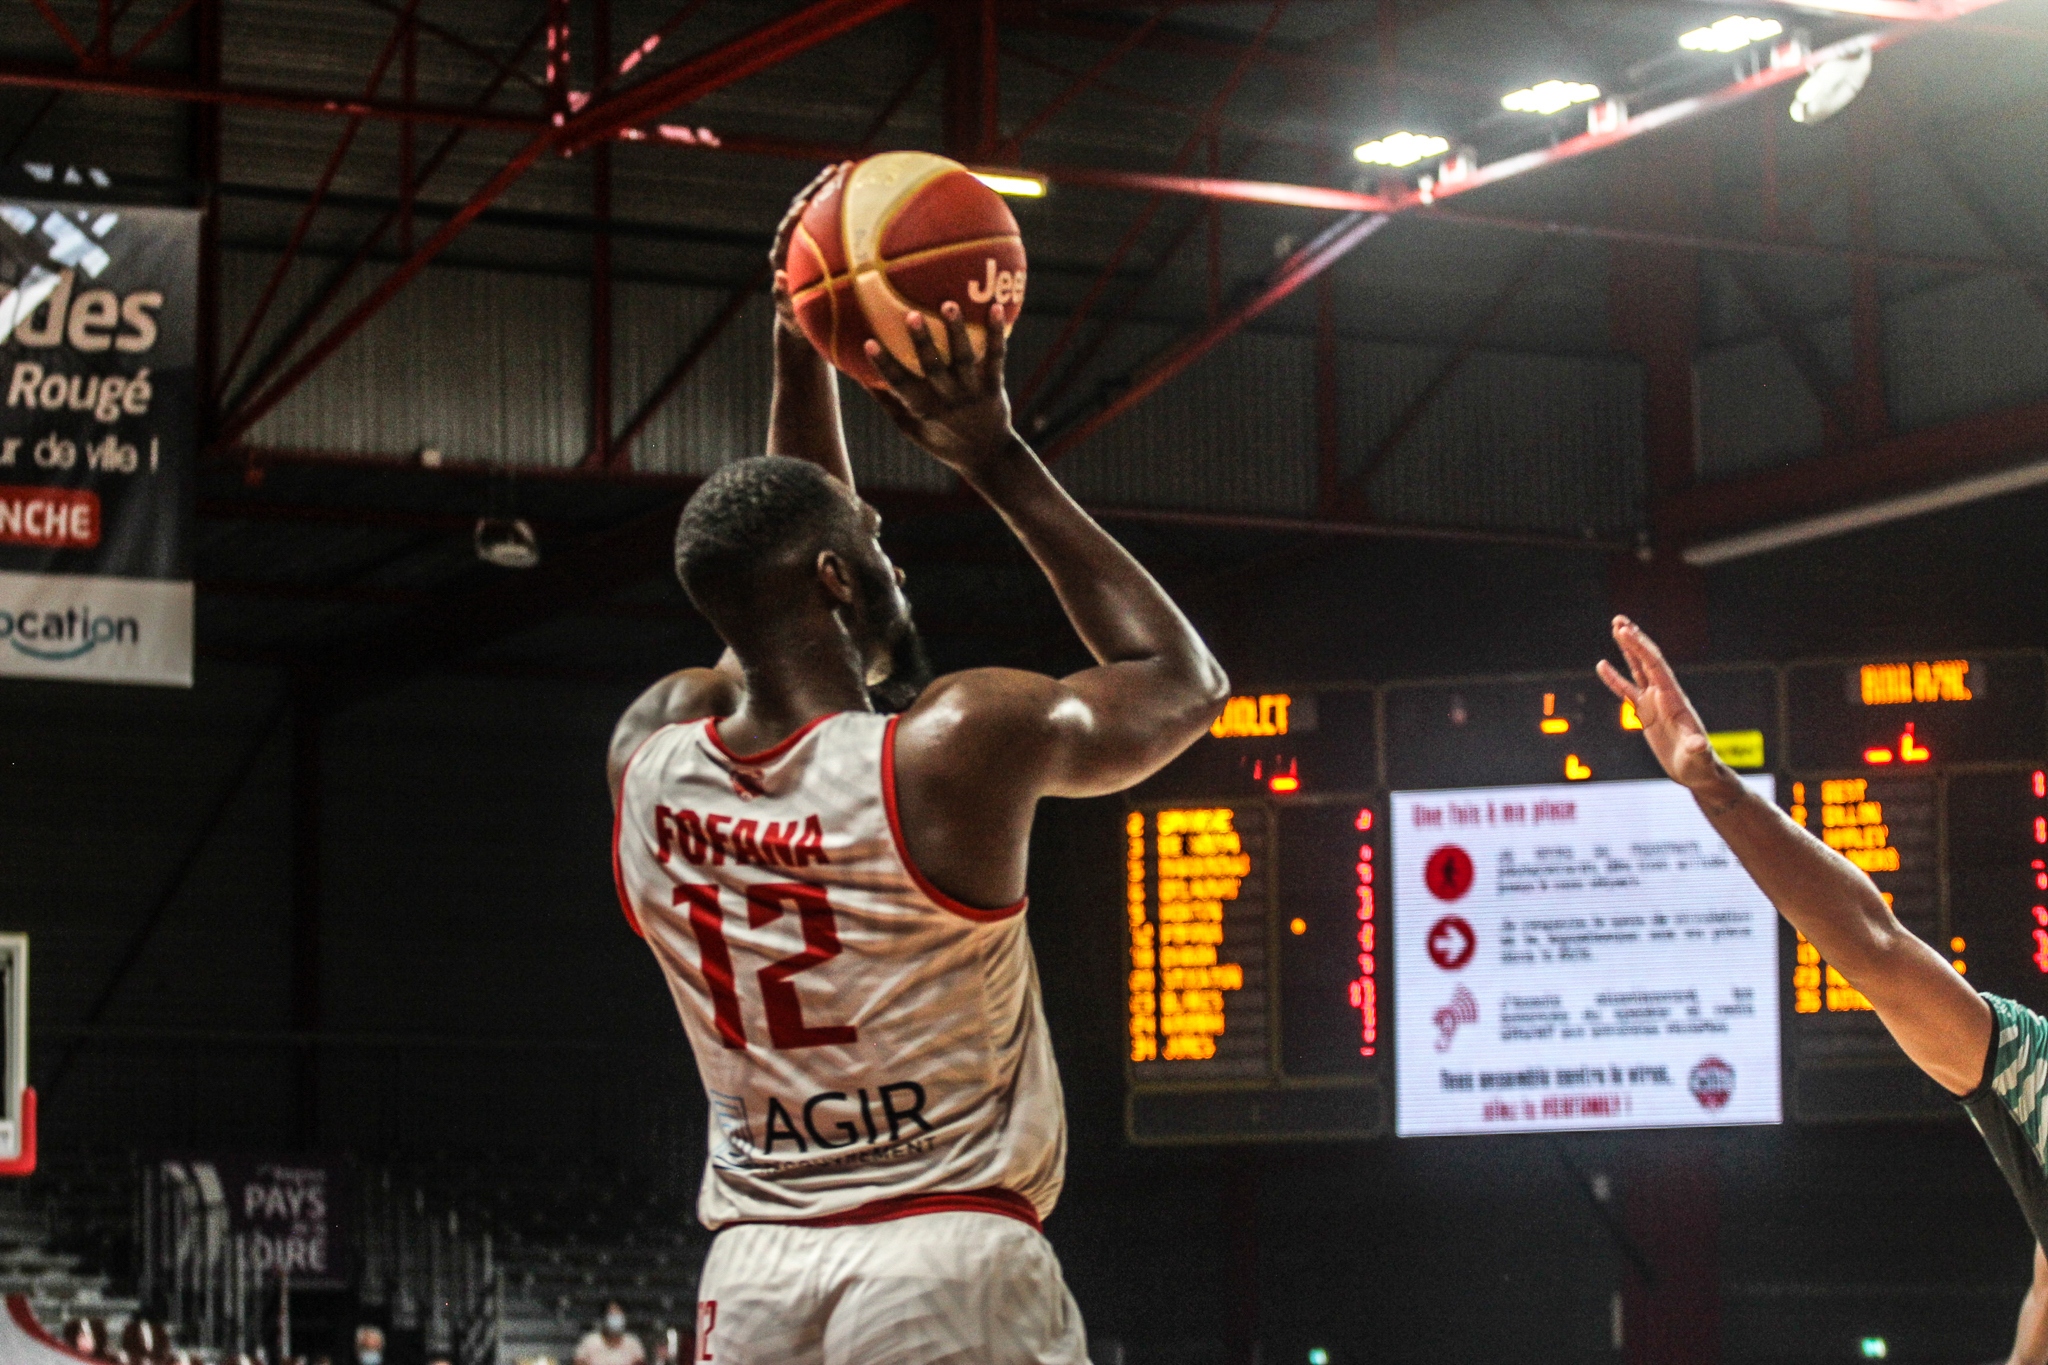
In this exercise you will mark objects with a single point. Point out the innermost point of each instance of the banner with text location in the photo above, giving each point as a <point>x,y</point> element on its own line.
<point>97,441</point>
<point>1579,956</point>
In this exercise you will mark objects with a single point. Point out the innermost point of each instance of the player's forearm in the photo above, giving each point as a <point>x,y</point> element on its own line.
<point>1120,612</point>
<point>803,412</point>
<point>1819,891</point>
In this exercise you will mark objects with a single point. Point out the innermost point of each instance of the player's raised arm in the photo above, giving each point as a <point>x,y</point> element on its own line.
<point>1155,687</point>
<point>803,410</point>
<point>804,424</point>
<point>1942,1024</point>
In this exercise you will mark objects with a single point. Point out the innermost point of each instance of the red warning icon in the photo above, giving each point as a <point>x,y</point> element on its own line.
<point>1448,873</point>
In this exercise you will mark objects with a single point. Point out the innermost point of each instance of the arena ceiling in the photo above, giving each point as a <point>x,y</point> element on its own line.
<point>1202,191</point>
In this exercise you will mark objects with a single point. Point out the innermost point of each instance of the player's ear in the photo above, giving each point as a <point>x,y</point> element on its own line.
<point>835,576</point>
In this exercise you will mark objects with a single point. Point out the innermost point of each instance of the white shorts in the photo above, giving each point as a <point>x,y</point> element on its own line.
<point>957,1288</point>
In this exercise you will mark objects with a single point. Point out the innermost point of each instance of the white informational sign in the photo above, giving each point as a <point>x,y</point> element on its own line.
<point>1581,956</point>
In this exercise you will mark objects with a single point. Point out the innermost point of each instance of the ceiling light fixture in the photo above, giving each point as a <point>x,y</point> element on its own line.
<point>1730,35</point>
<point>1016,184</point>
<point>1401,149</point>
<point>1832,85</point>
<point>1549,97</point>
<point>508,542</point>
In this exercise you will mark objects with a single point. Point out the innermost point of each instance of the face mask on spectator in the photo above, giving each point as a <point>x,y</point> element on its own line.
<point>369,1355</point>
<point>614,1323</point>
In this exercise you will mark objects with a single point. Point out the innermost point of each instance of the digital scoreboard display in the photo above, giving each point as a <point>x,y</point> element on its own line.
<point>1297,883</point>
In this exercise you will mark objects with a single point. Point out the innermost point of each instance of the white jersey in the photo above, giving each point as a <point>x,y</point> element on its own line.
<point>870,1046</point>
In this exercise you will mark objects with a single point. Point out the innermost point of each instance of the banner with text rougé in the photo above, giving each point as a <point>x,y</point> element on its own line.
<point>97,441</point>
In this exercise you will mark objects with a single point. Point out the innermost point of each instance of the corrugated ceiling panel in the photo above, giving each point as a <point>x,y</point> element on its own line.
<point>721,411</point>
<point>1754,410</point>
<point>1236,433</point>
<point>481,366</point>
<point>1973,346</point>
<point>1518,441</point>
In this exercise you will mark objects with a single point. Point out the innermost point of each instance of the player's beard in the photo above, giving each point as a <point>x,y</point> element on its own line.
<point>909,671</point>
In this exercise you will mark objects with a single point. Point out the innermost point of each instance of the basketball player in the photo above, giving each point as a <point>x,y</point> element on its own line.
<point>1989,1052</point>
<point>836,895</point>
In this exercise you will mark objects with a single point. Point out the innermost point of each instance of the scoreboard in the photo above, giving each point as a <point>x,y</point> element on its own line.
<point>1282,896</point>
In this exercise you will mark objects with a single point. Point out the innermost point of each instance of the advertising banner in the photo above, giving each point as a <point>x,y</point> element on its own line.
<point>97,441</point>
<point>292,1212</point>
<point>1578,956</point>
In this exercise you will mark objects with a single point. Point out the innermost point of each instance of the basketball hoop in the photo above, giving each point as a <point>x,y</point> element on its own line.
<point>17,1097</point>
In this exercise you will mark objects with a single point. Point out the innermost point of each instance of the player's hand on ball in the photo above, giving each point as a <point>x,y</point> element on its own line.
<point>1676,734</point>
<point>778,251</point>
<point>958,409</point>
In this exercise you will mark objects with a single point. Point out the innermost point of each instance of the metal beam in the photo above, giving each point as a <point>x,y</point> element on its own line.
<point>1080,81</point>
<point>1970,445</point>
<point>1467,345</point>
<point>1326,250</point>
<point>1294,62</point>
<point>391,49</point>
<point>154,85</point>
<point>258,406</point>
<point>1136,232</point>
<point>1304,265</point>
<point>398,214</point>
<point>758,50</point>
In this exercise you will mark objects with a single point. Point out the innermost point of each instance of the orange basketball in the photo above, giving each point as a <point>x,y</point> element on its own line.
<point>899,231</point>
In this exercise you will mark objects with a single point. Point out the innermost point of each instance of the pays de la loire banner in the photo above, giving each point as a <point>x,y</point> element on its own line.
<point>97,436</point>
<point>292,1213</point>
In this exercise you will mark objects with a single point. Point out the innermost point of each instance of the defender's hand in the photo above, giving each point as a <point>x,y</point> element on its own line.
<point>778,252</point>
<point>1676,734</point>
<point>957,410</point>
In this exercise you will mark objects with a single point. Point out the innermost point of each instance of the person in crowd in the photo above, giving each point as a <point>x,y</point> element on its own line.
<point>369,1345</point>
<point>611,1343</point>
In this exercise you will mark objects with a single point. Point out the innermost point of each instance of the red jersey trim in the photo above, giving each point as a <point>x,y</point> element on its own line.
<point>618,831</point>
<point>772,752</point>
<point>1007,1203</point>
<point>924,884</point>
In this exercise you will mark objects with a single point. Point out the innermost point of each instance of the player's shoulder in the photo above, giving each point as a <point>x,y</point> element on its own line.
<point>690,694</point>
<point>966,721</point>
<point>993,700</point>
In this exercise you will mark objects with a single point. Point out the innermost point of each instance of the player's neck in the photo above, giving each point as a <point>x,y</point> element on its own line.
<point>791,682</point>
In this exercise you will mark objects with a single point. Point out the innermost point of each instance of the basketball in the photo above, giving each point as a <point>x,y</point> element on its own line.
<point>898,231</point>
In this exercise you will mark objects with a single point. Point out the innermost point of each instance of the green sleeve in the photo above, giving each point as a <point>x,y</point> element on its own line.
<point>2019,1068</point>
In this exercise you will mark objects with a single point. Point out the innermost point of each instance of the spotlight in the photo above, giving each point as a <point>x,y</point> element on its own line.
<point>1832,85</point>
<point>1730,35</point>
<point>508,542</point>
<point>1016,184</point>
<point>1549,97</point>
<point>1401,149</point>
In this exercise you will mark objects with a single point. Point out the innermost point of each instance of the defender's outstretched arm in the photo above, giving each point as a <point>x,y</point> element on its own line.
<point>1155,687</point>
<point>1942,1024</point>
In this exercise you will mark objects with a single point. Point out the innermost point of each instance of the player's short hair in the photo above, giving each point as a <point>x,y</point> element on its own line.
<point>748,520</point>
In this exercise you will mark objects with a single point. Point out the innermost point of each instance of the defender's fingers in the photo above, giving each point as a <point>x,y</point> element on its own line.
<point>1618,685</point>
<point>1653,657</point>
